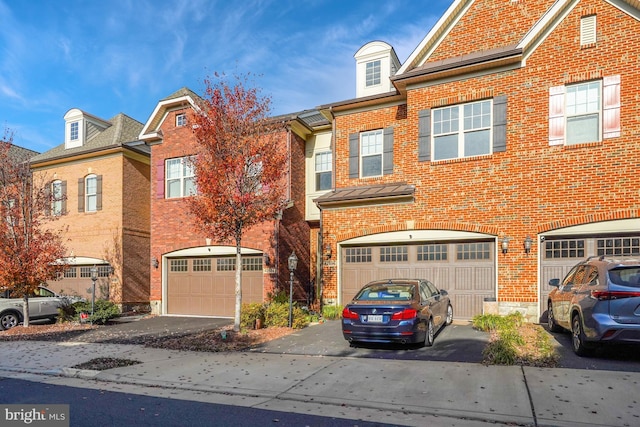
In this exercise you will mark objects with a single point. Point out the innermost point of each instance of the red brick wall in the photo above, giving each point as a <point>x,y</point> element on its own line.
<point>173,228</point>
<point>530,188</point>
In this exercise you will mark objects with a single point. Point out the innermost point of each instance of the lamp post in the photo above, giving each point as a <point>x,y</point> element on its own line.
<point>94,277</point>
<point>293,264</point>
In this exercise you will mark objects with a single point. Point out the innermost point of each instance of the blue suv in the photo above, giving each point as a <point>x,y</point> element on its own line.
<point>598,301</point>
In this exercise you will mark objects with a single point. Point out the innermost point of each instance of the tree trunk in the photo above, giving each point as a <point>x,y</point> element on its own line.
<point>236,321</point>
<point>25,310</point>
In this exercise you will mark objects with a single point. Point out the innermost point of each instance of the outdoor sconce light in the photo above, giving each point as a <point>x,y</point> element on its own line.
<point>154,262</point>
<point>505,244</point>
<point>327,251</point>
<point>266,259</point>
<point>293,264</point>
<point>527,244</point>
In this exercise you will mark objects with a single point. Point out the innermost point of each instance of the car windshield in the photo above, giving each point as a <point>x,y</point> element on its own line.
<point>625,276</point>
<point>393,292</point>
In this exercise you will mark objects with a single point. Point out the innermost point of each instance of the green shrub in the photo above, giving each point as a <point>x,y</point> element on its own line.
<point>250,313</point>
<point>280,297</point>
<point>103,310</point>
<point>277,315</point>
<point>332,312</point>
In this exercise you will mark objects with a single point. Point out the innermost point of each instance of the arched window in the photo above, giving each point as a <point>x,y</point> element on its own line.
<point>90,193</point>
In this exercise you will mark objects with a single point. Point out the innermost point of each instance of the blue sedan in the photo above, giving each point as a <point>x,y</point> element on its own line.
<point>397,311</point>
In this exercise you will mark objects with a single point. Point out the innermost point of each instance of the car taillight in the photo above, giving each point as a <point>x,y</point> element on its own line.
<point>406,314</point>
<point>348,314</point>
<point>611,295</point>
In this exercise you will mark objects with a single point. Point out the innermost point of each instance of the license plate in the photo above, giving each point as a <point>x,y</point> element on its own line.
<point>374,318</point>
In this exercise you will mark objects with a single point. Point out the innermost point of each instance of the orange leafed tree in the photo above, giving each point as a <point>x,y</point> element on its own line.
<point>30,251</point>
<point>241,166</point>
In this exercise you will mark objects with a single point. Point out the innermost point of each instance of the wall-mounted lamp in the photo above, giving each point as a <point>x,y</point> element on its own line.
<point>528,241</point>
<point>154,262</point>
<point>505,244</point>
<point>266,259</point>
<point>327,251</point>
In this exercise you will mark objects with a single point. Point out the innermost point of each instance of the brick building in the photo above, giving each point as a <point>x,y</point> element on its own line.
<point>100,177</point>
<point>190,273</point>
<point>499,154</point>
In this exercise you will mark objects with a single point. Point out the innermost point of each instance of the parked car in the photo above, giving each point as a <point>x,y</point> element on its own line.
<point>598,301</point>
<point>42,305</point>
<point>396,310</point>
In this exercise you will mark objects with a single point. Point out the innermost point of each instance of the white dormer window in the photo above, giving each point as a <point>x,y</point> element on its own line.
<point>181,120</point>
<point>373,73</point>
<point>74,131</point>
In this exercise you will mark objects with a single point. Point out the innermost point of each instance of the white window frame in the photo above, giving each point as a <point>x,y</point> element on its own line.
<point>580,104</point>
<point>74,131</point>
<point>371,146</point>
<point>184,175</point>
<point>181,120</point>
<point>56,198</point>
<point>373,73</point>
<point>457,122</point>
<point>323,166</point>
<point>91,197</point>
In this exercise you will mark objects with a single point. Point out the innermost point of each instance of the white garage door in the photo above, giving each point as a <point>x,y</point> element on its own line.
<point>206,286</point>
<point>465,269</point>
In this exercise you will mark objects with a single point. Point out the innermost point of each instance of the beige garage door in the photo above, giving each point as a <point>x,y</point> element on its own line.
<point>206,286</point>
<point>465,269</point>
<point>76,280</point>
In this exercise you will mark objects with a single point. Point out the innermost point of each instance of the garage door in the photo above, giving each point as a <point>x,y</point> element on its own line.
<point>561,253</point>
<point>206,286</point>
<point>76,280</point>
<point>465,269</point>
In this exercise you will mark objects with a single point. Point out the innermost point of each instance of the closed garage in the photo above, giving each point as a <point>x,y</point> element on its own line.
<point>466,269</point>
<point>205,286</point>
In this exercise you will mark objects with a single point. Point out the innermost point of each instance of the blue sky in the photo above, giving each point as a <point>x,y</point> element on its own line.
<point>123,56</point>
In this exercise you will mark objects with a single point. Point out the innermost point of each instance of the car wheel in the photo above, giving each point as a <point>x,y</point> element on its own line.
<point>577,337</point>
<point>8,320</point>
<point>430,334</point>
<point>449,319</point>
<point>551,320</point>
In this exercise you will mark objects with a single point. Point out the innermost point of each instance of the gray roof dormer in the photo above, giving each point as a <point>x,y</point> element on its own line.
<point>80,127</point>
<point>376,62</point>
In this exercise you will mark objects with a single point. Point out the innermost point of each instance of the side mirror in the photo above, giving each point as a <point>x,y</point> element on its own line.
<point>443,292</point>
<point>554,282</point>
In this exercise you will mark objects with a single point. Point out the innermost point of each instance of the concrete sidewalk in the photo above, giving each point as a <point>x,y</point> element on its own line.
<point>402,392</point>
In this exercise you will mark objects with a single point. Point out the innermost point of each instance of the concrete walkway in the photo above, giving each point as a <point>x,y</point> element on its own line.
<point>401,392</point>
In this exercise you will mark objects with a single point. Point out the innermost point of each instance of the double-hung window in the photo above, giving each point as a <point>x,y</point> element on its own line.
<point>57,198</point>
<point>181,119</point>
<point>74,131</point>
<point>371,153</point>
<point>462,130</point>
<point>91,193</point>
<point>180,177</point>
<point>372,73</point>
<point>323,171</point>
<point>584,112</point>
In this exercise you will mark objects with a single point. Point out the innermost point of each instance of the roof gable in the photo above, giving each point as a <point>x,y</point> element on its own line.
<point>180,99</point>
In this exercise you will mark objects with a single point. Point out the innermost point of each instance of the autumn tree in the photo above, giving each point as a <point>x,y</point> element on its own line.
<point>240,167</point>
<point>30,250</point>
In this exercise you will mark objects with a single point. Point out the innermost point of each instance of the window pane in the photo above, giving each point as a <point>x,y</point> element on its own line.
<point>323,162</point>
<point>173,188</point>
<point>189,187</point>
<point>583,129</point>
<point>373,73</point>
<point>445,147</point>
<point>323,181</point>
<point>91,203</point>
<point>445,120</point>
<point>477,143</point>
<point>91,185</point>
<point>173,168</point>
<point>372,165</point>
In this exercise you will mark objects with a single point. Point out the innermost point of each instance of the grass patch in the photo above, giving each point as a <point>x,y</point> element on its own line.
<point>515,342</point>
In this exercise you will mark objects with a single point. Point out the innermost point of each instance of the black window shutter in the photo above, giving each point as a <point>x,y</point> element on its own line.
<point>64,197</point>
<point>48,198</point>
<point>387,156</point>
<point>424,135</point>
<point>354,155</point>
<point>99,192</point>
<point>81,195</point>
<point>499,124</point>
